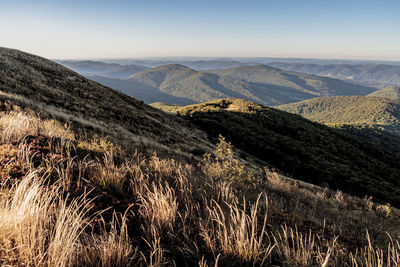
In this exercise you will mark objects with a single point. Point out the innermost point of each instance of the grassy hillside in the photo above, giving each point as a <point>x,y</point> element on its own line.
<point>303,149</point>
<point>55,91</point>
<point>259,83</point>
<point>71,198</point>
<point>371,112</point>
<point>392,92</point>
<point>88,205</point>
<point>379,75</point>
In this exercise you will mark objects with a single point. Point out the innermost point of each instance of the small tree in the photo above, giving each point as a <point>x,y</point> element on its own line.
<point>222,165</point>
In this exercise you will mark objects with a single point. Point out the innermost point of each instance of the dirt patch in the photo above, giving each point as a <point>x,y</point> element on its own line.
<point>232,107</point>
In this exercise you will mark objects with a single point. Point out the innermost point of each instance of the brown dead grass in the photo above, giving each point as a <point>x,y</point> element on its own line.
<point>169,213</point>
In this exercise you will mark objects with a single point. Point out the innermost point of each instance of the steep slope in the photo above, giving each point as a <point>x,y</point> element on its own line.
<point>259,83</point>
<point>392,92</point>
<point>306,150</point>
<point>379,75</point>
<point>372,112</point>
<point>55,91</point>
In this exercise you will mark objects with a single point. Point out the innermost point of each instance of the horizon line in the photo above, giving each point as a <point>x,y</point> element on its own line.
<point>223,57</point>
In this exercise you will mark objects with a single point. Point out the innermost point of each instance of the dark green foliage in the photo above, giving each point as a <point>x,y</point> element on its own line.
<point>303,149</point>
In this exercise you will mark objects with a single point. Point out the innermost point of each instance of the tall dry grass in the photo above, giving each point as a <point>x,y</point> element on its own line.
<point>373,256</point>
<point>14,126</point>
<point>39,227</point>
<point>108,174</point>
<point>111,247</point>
<point>302,249</point>
<point>176,214</point>
<point>159,206</point>
<point>238,234</point>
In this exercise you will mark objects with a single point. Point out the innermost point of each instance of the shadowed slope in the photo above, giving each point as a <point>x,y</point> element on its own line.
<point>305,150</point>
<point>56,91</point>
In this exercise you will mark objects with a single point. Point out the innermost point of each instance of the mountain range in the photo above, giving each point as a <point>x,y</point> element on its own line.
<point>110,70</point>
<point>259,83</point>
<point>377,75</point>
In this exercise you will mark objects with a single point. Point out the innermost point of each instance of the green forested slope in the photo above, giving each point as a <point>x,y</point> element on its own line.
<point>303,149</point>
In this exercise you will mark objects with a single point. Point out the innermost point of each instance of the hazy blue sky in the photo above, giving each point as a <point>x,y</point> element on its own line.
<point>147,28</point>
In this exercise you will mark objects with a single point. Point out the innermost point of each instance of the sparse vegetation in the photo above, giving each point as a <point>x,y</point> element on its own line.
<point>168,213</point>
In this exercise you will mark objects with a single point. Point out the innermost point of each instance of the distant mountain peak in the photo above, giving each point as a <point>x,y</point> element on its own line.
<point>172,67</point>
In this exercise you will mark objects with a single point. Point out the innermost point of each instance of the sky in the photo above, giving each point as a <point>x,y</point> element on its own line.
<point>173,28</point>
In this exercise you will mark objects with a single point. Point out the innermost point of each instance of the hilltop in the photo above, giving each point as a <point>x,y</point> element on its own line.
<point>364,111</point>
<point>392,92</point>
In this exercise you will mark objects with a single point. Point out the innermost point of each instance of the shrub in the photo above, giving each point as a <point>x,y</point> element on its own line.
<point>222,165</point>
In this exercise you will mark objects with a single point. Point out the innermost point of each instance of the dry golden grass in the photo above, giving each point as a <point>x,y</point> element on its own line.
<point>372,256</point>
<point>162,212</point>
<point>159,206</point>
<point>14,126</point>
<point>237,234</point>
<point>108,174</point>
<point>302,249</point>
<point>113,247</point>
<point>38,227</point>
